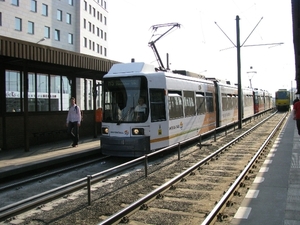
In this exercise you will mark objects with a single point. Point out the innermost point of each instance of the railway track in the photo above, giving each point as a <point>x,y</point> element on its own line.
<point>191,196</point>
<point>188,200</point>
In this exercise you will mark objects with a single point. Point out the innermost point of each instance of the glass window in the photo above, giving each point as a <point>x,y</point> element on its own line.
<point>30,27</point>
<point>31,92</point>
<point>33,6</point>
<point>175,105</point>
<point>57,35</point>
<point>209,102</point>
<point>44,9</point>
<point>59,15</point>
<point>84,42</point>
<point>189,103</point>
<point>15,2</point>
<point>47,32</point>
<point>18,24</point>
<point>68,19</point>
<point>42,92</point>
<point>0,18</point>
<point>157,102</point>
<point>200,103</point>
<point>121,99</point>
<point>66,93</point>
<point>85,5</point>
<point>13,91</point>
<point>84,23</point>
<point>70,2</point>
<point>70,39</point>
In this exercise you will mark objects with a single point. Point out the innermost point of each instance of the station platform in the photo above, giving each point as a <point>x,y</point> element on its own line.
<point>274,197</point>
<point>15,161</point>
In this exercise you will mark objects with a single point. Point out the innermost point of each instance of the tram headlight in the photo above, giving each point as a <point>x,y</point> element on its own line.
<point>138,131</point>
<point>105,130</point>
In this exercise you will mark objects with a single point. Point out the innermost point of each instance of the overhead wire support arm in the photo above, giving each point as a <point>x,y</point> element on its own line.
<point>152,43</point>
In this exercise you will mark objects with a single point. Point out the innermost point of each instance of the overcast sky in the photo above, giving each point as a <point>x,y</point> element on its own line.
<point>200,45</point>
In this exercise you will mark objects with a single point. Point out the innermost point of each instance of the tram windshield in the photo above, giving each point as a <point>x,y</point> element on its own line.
<point>125,99</point>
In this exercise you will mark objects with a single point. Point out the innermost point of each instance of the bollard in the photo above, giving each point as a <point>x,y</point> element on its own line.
<point>146,165</point>
<point>89,188</point>
<point>215,135</point>
<point>178,151</point>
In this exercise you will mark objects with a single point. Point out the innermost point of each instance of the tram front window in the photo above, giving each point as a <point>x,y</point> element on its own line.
<point>121,96</point>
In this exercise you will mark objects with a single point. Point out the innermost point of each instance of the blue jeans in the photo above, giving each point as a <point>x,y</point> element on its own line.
<point>73,131</point>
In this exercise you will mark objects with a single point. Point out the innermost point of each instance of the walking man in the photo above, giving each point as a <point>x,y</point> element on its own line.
<point>73,122</point>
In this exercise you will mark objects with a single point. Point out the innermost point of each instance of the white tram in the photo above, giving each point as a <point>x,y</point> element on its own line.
<point>177,107</point>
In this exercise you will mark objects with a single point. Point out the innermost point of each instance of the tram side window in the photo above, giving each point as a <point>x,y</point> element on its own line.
<point>200,103</point>
<point>175,105</point>
<point>189,103</point>
<point>209,102</point>
<point>157,105</point>
<point>224,102</point>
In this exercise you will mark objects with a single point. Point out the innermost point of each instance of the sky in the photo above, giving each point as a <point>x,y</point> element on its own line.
<point>206,40</point>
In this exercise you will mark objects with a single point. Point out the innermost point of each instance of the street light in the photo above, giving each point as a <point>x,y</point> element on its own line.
<point>43,39</point>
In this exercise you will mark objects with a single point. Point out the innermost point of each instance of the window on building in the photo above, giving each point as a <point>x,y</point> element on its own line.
<point>105,36</point>
<point>59,15</point>
<point>30,27</point>
<point>105,20</point>
<point>33,6</point>
<point>90,44</point>
<point>85,42</point>
<point>15,2</point>
<point>90,9</point>
<point>13,90</point>
<point>93,28</point>
<point>101,34</point>
<point>0,18</point>
<point>18,24</point>
<point>85,5</point>
<point>46,92</point>
<point>98,15</point>
<point>70,38</point>
<point>101,17</point>
<point>98,48</point>
<point>94,12</point>
<point>47,32</point>
<point>90,26</point>
<point>70,2</point>
<point>104,4</point>
<point>98,31</point>
<point>57,35</point>
<point>105,52</point>
<point>68,19</point>
<point>44,9</point>
<point>84,23</point>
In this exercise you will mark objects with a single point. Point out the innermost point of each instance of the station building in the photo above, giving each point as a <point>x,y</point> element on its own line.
<point>49,52</point>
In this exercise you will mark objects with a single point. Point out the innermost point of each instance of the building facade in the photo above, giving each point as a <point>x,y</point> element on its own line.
<point>72,25</point>
<point>50,50</point>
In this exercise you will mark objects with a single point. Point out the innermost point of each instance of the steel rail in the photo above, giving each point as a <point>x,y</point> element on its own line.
<point>45,197</point>
<point>212,216</point>
<point>122,214</point>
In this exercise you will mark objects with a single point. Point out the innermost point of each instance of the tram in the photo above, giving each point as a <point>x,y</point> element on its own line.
<point>177,107</point>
